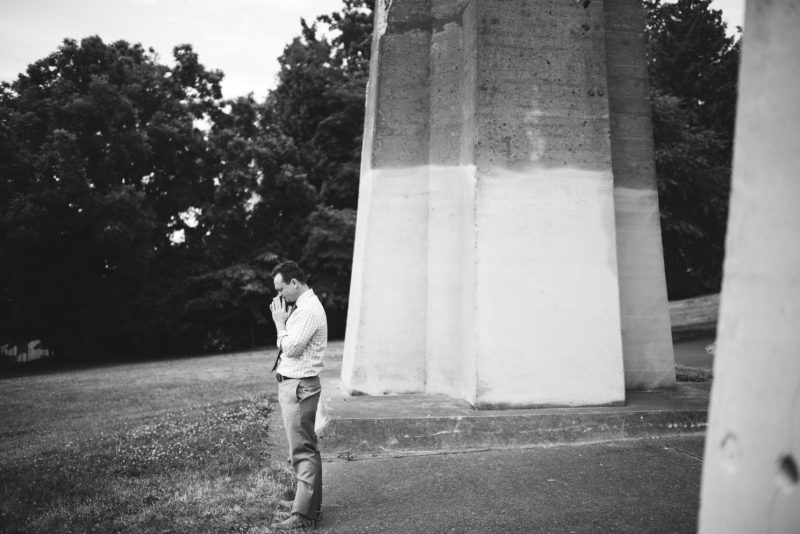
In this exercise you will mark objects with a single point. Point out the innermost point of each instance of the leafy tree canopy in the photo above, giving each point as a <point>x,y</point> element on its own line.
<point>101,155</point>
<point>693,65</point>
<point>141,214</point>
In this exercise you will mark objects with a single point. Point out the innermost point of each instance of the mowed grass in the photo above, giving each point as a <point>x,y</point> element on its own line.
<point>685,373</point>
<point>169,447</point>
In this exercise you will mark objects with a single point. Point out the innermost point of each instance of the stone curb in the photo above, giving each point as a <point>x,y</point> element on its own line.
<point>353,426</point>
<point>356,437</point>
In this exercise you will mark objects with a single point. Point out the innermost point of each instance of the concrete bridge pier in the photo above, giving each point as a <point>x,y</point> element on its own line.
<point>750,476</point>
<point>507,245</point>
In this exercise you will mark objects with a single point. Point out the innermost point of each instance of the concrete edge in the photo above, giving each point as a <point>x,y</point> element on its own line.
<point>352,456</point>
<point>345,437</point>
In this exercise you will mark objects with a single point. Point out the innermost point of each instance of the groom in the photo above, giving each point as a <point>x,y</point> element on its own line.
<point>302,339</point>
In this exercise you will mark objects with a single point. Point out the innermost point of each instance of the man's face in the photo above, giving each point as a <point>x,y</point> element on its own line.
<point>287,291</point>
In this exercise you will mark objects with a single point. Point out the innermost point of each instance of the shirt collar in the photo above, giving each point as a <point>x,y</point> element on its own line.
<point>304,297</point>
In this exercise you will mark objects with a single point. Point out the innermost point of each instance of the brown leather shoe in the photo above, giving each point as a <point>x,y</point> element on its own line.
<point>296,522</point>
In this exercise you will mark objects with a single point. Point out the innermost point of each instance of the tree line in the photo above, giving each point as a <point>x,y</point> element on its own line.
<point>141,213</point>
<point>693,66</point>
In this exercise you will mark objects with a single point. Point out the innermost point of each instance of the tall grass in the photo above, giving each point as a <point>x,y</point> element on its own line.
<point>173,446</point>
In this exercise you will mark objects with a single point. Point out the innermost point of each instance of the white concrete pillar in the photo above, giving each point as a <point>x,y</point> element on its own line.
<point>385,345</point>
<point>546,292</point>
<point>486,245</point>
<point>644,310</point>
<point>750,474</point>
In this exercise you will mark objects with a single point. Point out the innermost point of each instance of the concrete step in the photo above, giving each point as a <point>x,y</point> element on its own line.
<point>405,424</point>
<point>695,316</point>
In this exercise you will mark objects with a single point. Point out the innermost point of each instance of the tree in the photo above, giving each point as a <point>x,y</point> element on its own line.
<point>691,57</point>
<point>693,187</point>
<point>319,101</point>
<point>693,67</point>
<point>256,214</point>
<point>319,104</point>
<point>141,214</point>
<point>286,185</point>
<point>101,157</point>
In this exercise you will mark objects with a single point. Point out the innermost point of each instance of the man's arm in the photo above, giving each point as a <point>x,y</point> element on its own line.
<point>295,336</point>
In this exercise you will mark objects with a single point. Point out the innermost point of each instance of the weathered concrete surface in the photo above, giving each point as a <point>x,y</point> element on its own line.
<point>544,210</point>
<point>363,426</point>
<point>487,186</point>
<point>750,478</point>
<point>646,340</point>
<point>450,355</point>
<point>545,270</point>
<point>388,277</point>
<point>624,487</point>
<point>386,324</point>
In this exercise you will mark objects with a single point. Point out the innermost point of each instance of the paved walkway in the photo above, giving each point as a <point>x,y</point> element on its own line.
<point>631,486</point>
<point>627,469</point>
<point>639,486</point>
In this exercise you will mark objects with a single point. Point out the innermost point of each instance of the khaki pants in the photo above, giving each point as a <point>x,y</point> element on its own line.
<point>299,398</point>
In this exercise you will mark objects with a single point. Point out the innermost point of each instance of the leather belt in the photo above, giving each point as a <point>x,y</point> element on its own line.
<point>281,378</point>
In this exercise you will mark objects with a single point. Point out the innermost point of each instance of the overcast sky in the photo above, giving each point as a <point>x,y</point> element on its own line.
<point>243,38</point>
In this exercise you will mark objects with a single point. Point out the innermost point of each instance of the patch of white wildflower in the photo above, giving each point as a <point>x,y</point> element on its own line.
<point>182,438</point>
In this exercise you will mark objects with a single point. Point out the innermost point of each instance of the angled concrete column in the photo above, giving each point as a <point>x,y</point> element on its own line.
<point>452,175</point>
<point>486,255</point>
<point>546,294</point>
<point>750,473</point>
<point>646,331</point>
<point>385,346</point>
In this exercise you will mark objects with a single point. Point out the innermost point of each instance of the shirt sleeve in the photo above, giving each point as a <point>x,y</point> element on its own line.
<point>299,329</point>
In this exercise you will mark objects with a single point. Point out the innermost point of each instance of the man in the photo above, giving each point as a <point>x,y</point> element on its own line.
<point>302,338</point>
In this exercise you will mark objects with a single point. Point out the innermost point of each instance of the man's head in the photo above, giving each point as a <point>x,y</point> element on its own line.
<point>290,281</point>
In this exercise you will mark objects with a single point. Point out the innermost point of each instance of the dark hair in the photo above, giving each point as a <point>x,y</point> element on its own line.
<point>289,270</point>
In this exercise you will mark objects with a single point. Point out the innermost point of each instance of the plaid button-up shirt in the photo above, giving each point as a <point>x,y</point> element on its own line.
<point>305,339</point>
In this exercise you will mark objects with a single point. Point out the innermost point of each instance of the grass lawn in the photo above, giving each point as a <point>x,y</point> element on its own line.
<point>685,373</point>
<point>169,446</point>
<point>175,446</point>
